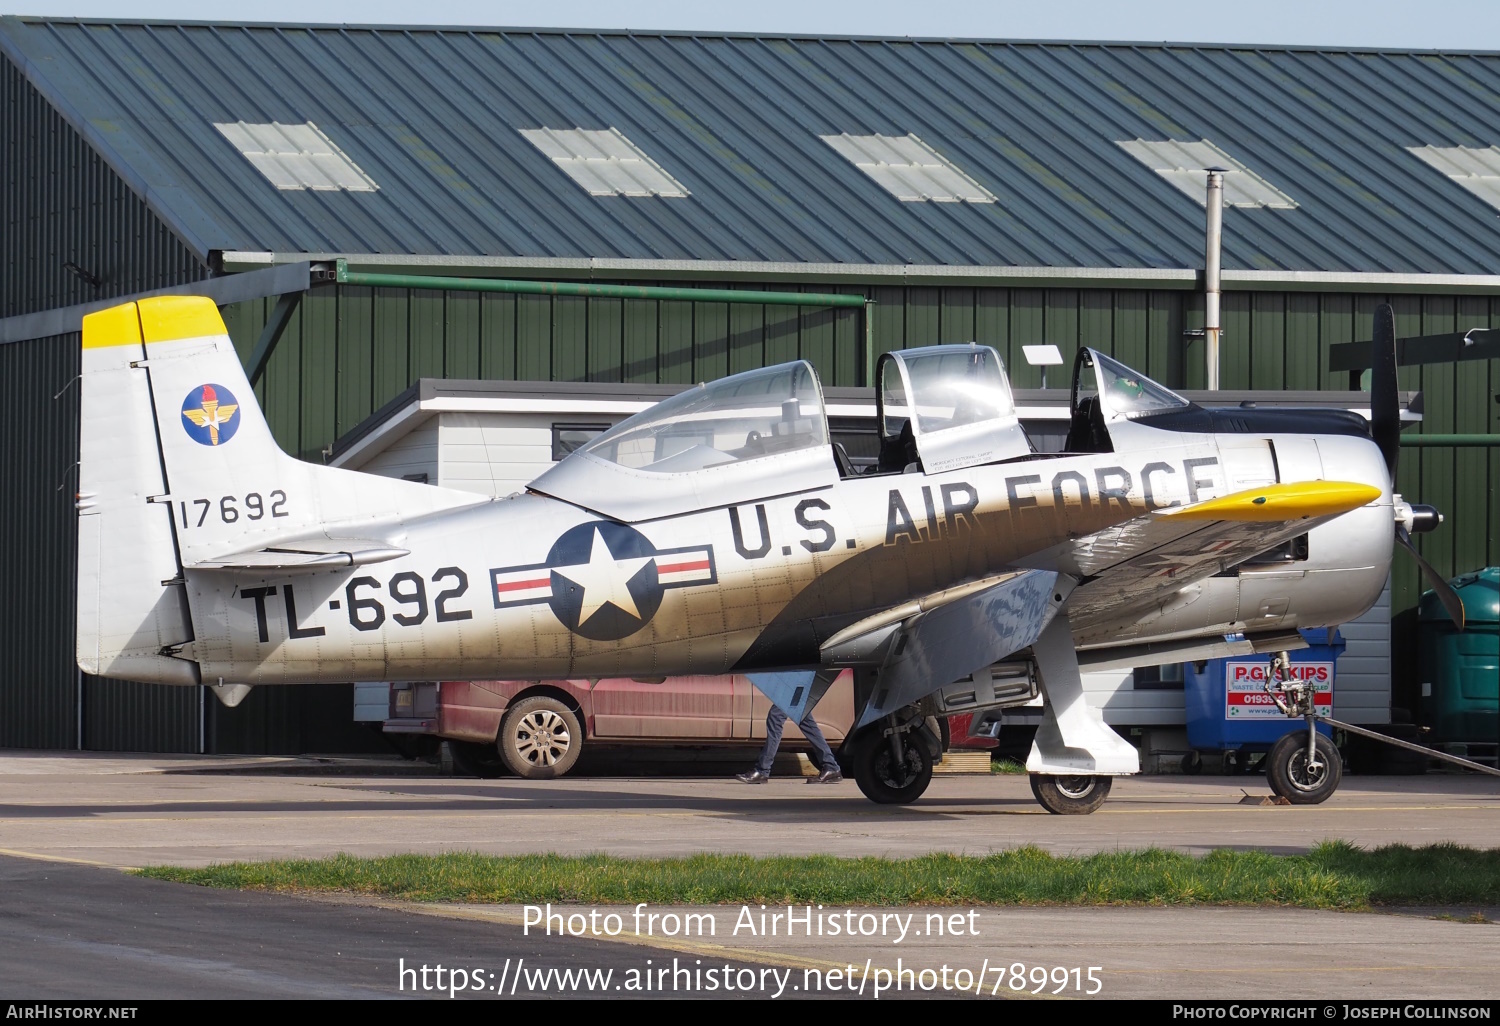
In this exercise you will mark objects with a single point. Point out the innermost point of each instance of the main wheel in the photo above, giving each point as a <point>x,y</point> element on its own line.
<point>472,759</point>
<point>539,738</point>
<point>1070,796</point>
<point>1290,776</point>
<point>882,779</point>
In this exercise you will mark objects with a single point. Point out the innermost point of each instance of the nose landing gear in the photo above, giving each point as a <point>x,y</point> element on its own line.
<point>1072,795</point>
<point>1305,769</point>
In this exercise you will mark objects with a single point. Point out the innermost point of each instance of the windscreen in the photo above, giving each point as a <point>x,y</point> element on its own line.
<point>1126,391</point>
<point>743,417</point>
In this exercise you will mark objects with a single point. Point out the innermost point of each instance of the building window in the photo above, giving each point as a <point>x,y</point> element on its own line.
<point>294,157</point>
<point>567,438</point>
<point>604,162</point>
<point>1158,678</point>
<point>909,169</point>
<point>1183,162</point>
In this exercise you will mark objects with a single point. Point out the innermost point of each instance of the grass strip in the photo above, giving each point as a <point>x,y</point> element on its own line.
<point>1334,875</point>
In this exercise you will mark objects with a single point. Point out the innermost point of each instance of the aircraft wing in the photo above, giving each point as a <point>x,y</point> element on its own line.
<point>1131,567</point>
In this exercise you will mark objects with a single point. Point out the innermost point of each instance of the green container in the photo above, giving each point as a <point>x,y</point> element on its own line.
<point>1461,669</point>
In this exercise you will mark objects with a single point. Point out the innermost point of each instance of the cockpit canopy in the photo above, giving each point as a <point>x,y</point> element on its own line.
<point>743,438</point>
<point>1110,400</point>
<point>947,407</point>
<point>743,417</point>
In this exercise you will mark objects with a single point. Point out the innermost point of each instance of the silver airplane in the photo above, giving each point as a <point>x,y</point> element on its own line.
<point>721,531</point>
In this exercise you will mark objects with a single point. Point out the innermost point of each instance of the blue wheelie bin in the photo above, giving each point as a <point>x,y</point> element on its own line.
<point>1229,710</point>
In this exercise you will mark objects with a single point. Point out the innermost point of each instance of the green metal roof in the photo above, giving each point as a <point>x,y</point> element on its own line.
<point>432,119</point>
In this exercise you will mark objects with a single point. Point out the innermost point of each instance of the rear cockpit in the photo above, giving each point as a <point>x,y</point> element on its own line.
<point>746,437</point>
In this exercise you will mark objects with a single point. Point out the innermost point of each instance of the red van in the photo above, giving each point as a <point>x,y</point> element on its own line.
<point>536,729</point>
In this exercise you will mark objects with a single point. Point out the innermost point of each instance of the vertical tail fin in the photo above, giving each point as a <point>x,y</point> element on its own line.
<point>132,605</point>
<point>179,469</point>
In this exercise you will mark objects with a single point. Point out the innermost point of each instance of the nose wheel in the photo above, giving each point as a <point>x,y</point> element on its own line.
<point>1300,777</point>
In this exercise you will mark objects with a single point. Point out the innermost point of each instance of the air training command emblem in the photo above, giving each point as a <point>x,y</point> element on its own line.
<point>211,414</point>
<point>603,580</point>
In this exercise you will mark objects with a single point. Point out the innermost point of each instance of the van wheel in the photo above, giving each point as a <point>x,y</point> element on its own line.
<point>1070,796</point>
<point>539,738</point>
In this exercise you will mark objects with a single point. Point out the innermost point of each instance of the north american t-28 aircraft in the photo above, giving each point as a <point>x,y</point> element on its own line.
<point>722,531</point>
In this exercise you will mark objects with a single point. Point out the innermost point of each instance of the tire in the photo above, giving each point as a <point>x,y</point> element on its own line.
<point>539,738</point>
<point>873,771</point>
<point>1192,764</point>
<point>1071,795</point>
<point>1286,769</point>
<point>472,759</point>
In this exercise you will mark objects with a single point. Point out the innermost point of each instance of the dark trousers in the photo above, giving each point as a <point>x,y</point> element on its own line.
<point>775,722</point>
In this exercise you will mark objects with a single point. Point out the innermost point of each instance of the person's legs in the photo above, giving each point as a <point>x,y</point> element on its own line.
<point>775,723</point>
<point>822,753</point>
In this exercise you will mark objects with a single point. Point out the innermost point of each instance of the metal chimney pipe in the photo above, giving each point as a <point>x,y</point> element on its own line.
<point>1215,219</point>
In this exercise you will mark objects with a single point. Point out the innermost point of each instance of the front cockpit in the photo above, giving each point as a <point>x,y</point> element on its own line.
<point>1106,396</point>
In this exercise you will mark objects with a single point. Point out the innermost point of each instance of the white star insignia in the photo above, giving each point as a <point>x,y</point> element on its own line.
<point>605,580</point>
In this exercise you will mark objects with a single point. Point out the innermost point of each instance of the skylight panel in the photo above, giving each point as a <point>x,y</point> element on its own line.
<point>294,157</point>
<point>1476,169</point>
<point>1183,163</point>
<point>604,162</point>
<point>909,169</point>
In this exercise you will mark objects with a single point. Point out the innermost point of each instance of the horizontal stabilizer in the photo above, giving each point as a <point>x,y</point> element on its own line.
<point>949,643</point>
<point>314,555</point>
<point>794,692</point>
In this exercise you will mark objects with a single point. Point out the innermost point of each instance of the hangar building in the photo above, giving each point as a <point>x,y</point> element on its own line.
<point>1009,193</point>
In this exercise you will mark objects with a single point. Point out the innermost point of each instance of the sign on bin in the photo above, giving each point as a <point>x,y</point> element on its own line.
<point>1246,698</point>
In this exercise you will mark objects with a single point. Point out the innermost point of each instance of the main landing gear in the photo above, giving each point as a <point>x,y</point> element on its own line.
<point>892,759</point>
<point>1070,795</point>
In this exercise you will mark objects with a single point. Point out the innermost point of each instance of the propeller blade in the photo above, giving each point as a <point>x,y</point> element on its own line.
<point>1385,405</point>
<point>1445,593</point>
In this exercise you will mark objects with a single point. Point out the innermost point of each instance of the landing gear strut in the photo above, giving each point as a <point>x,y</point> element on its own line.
<point>892,759</point>
<point>1305,769</point>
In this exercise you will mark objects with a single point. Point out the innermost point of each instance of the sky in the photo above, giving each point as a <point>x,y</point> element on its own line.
<point>1453,24</point>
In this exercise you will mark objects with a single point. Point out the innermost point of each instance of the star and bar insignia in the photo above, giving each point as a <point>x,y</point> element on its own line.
<point>603,580</point>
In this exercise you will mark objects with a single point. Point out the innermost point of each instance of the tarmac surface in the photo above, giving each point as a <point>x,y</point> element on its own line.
<point>72,926</point>
<point>140,810</point>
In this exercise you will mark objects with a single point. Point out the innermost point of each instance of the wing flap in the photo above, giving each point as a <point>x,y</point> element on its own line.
<point>794,692</point>
<point>936,648</point>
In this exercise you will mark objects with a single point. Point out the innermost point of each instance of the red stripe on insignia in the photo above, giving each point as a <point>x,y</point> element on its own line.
<point>680,568</point>
<point>543,582</point>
